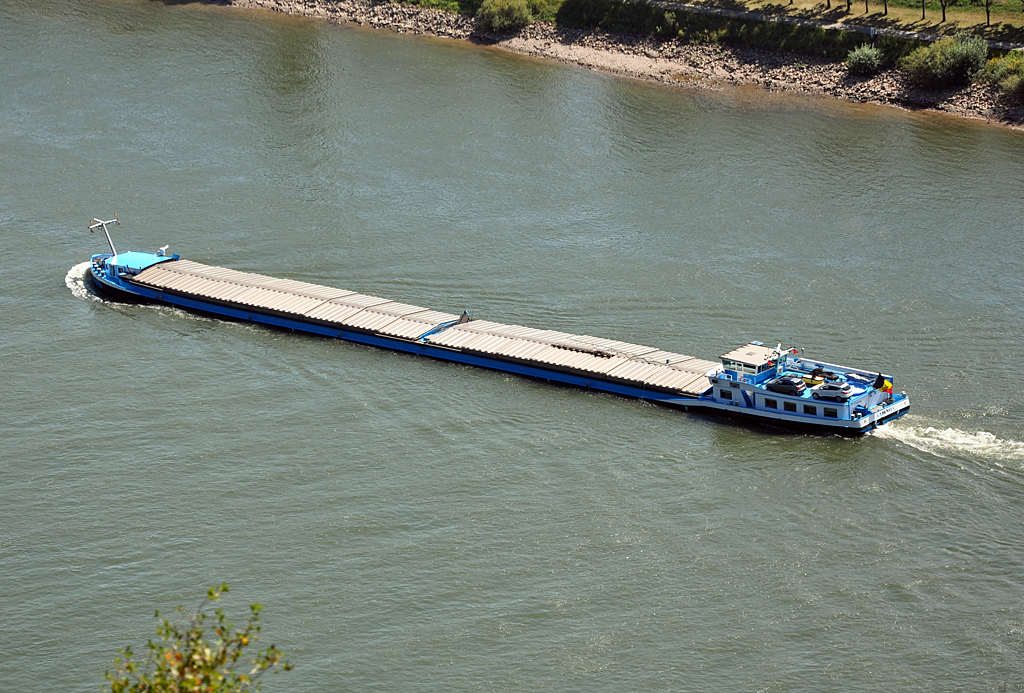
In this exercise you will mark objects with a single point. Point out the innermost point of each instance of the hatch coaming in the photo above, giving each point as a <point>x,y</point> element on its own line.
<point>591,358</point>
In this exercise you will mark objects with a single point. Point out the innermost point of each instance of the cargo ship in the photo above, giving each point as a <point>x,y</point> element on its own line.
<point>769,385</point>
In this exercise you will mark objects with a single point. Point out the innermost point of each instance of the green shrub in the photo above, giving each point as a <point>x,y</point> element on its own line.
<point>946,63</point>
<point>1013,88</point>
<point>1007,72</point>
<point>966,58</point>
<point>864,61</point>
<point>193,656</point>
<point>999,68</point>
<point>503,15</point>
<point>922,66</point>
<point>543,10</point>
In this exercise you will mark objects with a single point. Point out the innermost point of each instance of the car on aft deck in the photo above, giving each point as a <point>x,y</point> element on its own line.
<point>835,390</point>
<point>787,385</point>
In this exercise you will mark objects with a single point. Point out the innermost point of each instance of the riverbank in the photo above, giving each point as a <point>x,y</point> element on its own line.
<point>712,66</point>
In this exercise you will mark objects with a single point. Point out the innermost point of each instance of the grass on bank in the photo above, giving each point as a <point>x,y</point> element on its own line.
<point>951,62</point>
<point>642,18</point>
<point>646,19</point>
<point>1006,16</point>
<point>1005,21</point>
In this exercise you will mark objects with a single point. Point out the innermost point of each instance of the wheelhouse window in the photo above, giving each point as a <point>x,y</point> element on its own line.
<point>738,367</point>
<point>771,403</point>
<point>789,406</point>
<point>831,413</point>
<point>810,409</point>
<point>725,394</point>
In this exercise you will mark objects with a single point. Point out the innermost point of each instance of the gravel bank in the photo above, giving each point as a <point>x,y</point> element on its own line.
<point>669,62</point>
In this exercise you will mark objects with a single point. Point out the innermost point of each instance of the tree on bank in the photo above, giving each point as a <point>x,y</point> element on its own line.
<point>186,659</point>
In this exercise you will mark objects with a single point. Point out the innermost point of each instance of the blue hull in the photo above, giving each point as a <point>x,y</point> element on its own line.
<point>703,404</point>
<point>759,421</point>
<point>144,295</point>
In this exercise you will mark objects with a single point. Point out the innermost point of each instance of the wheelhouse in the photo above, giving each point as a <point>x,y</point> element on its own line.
<point>754,364</point>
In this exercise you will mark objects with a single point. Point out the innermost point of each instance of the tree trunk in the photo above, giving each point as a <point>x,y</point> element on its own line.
<point>886,4</point>
<point>922,9</point>
<point>943,12</point>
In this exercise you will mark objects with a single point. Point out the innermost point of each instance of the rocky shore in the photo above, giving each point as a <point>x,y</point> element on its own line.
<point>710,67</point>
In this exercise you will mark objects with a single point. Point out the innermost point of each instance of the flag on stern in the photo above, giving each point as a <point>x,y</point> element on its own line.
<point>883,384</point>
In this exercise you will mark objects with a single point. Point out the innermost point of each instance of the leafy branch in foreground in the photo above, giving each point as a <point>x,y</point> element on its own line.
<point>184,659</point>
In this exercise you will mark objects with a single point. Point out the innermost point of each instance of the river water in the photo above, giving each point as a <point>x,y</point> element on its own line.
<point>411,525</point>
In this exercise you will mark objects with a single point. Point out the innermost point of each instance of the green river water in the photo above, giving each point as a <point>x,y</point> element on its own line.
<point>411,525</point>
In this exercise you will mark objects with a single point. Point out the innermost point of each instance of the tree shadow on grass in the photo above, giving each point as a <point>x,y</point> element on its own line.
<point>1002,32</point>
<point>781,9</point>
<point>838,13</point>
<point>734,5</point>
<point>882,21</point>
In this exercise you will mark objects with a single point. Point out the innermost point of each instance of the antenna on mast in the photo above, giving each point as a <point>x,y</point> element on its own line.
<point>99,223</point>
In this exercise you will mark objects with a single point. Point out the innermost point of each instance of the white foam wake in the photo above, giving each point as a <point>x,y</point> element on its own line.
<point>75,280</point>
<point>952,440</point>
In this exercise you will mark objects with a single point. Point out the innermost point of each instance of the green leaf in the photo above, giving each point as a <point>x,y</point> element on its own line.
<point>182,660</point>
